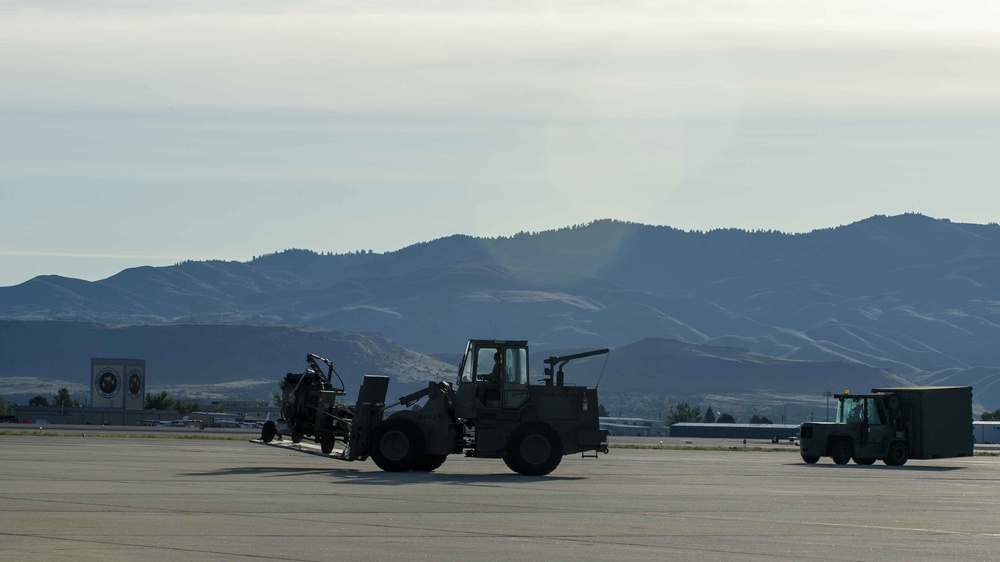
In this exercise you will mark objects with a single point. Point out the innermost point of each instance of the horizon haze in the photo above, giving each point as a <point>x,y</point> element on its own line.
<point>147,134</point>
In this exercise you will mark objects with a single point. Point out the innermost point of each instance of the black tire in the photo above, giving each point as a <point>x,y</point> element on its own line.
<point>863,461</point>
<point>296,438</point>
<point>809,459</point>
<point>841,452</point>
<point>397,445</point>
<point>269,431</point>
<point>326,442</point>
<point>534,449</point>
<point>429,463</point>
<point>896,455</point>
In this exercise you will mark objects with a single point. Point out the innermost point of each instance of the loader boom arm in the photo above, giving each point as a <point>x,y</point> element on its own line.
<point>562,360</point>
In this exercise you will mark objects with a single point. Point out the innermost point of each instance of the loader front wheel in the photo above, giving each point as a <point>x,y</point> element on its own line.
<point>429,463</point>
<point>534,449</point>
<point>397,445</point>
<point>810,459</point>
<point>269,431</point>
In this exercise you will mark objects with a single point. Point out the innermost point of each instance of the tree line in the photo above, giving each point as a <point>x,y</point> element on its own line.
<point>990,416</point>
<point>682,412</point>
<point>63,398</point>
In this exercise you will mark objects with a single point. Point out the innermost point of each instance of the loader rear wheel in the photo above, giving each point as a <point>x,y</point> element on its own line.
<point>897,455</point>
<point>534,449</point>
<point>863,461</point>
<point>397,445</point>
<point>269,431</point>
<point>841,452</point>
<point>428,463</point>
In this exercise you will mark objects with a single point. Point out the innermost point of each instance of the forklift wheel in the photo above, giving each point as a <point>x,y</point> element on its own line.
<point>269,431</point>
<point>896,455</point>
<point>326,442</point>
<point>841,452</point>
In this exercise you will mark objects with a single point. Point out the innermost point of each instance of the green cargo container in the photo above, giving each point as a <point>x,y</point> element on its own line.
<point>939,419</point>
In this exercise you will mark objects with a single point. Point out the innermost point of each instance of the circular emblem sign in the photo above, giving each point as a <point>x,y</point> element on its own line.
<point>109,382</point>
<point>134,384</point>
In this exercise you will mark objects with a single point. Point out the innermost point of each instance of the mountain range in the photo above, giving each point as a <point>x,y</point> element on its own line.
<point>904,298</point>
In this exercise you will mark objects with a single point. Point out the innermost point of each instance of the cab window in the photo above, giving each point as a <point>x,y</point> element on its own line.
<point>874,413</point>
<point>516,365</point>
<point>467,366</point>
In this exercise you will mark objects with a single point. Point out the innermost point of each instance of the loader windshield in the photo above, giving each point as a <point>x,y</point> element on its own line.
<point>468,364</point>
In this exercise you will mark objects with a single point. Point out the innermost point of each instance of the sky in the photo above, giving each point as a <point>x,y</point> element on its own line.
<point>133,133</point>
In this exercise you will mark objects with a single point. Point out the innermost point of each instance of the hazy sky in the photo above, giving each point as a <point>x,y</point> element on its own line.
<point>133,134</point>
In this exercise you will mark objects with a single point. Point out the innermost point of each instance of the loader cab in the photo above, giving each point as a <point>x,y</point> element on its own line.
<point>493,374</point>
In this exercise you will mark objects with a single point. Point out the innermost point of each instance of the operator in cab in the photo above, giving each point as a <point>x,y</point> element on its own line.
<point>489,383</point>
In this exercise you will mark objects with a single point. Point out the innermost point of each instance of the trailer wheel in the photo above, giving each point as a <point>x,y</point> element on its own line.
<point>534,449</point>
<point>841,452</point>
<point>268,431</point>
<point>896,456</point>
<point>398,445</point>
<point>326,442</point>
<point>809,459</point>
<point>863,461</point>
<point>429,463</point>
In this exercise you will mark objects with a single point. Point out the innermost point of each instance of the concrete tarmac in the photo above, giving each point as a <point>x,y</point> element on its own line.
<point>116,499</point>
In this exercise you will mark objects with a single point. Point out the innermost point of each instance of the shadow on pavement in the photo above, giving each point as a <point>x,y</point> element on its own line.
<point>359,476</point>
<point>852,466</point>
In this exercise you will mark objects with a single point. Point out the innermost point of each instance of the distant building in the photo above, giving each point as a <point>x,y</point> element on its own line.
<point>118,383</point>
<point>735,430</point>
<point>634,427</point>
<point>985,432</point>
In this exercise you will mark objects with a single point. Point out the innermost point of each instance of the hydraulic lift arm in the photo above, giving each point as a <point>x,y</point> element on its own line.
<point>551,363</point>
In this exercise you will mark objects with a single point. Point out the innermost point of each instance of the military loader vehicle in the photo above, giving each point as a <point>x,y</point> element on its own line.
<point>493,410</point>
<point>893,425</point>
